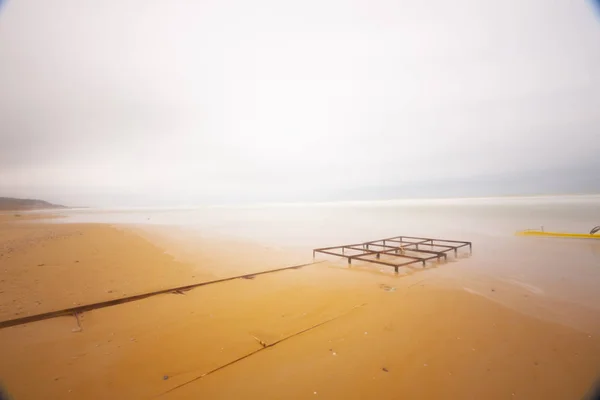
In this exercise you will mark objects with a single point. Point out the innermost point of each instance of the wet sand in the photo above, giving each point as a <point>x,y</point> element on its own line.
<point>322,331</point>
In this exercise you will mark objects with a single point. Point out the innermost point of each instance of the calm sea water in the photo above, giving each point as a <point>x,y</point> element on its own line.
<point>565,269</point>
<point>321,224</point>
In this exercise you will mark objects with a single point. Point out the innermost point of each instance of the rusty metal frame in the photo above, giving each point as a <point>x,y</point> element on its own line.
<point>398,246</point>
<point>76,311</point>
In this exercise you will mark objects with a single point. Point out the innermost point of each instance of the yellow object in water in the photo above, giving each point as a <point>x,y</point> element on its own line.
<point>558,234</point>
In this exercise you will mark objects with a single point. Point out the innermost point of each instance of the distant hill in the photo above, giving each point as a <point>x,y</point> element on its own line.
<point>10,203</point>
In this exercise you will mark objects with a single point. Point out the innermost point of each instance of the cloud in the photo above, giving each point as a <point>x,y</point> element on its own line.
<point>141,102</point>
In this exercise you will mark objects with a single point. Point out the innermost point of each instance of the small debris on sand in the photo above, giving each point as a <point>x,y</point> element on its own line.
<point>387,288</point>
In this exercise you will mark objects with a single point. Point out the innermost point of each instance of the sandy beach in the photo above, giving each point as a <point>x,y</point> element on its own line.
<point>321,331</point>
<point>299,200</point>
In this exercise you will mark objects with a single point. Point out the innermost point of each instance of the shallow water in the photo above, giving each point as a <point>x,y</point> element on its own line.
<point>380,343</point>
<point>323,223</point>
<point>563,269</point>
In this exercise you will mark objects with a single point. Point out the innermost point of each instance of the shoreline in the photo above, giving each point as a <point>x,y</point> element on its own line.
<point>391,201</point>
<point>340,332</point>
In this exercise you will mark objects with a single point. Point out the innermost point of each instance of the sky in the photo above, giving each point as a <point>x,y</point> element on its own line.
<point>141,102</point>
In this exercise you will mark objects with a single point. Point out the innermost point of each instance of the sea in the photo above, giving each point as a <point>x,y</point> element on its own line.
<point>564,270</point>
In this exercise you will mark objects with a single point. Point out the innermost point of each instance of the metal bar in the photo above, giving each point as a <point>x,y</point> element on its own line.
<point>368,251</point>
<point>390,263</point>
<point>438,240</point>
<point>337,247</point>
<point>376,252</point>
<point>384,245</point>
<point>402,237</point>
<point>439,253</point>
<point>425,241</point>
<point>408,243</point>
<point>114,302</point>
<point>415,261</point>
<point>331,253</point>
<point>391,251</point>
<point>357,248</point>
<point>399,239</point>
<point>392,248</point>
<point>364,252</point>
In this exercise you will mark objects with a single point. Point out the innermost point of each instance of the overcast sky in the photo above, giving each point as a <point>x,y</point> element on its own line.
<point>141,102</point>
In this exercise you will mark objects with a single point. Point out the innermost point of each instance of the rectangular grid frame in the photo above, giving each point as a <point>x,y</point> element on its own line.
<point>398,246</point>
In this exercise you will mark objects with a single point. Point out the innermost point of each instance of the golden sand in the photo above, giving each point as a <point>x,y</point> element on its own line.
<point>323,331</point>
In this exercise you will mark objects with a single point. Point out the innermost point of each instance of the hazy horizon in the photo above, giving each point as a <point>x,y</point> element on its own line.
<point>536,198</point>
<point>141,103</point>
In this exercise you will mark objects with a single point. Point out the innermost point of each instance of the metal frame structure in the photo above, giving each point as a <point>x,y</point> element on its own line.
<point>401,247</point>
<point>76,311</point>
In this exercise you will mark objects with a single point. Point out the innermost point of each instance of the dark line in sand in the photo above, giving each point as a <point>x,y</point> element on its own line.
<point>114,302</point>
<point>264,346</point>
